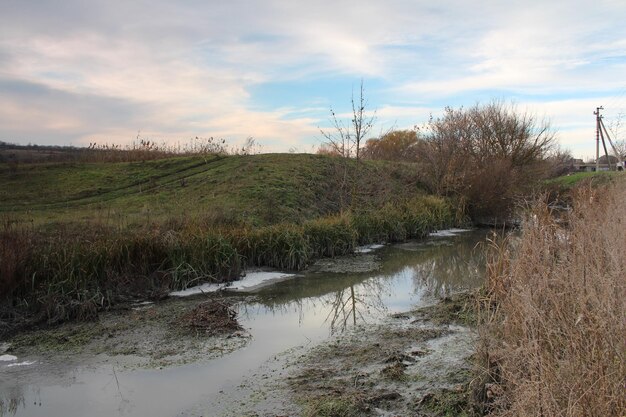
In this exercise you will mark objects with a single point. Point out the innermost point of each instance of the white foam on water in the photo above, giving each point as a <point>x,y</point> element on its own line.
<point>8,358</point>
<point>251,280</point>
<point>25,363</point>
<point>448,232</point>
<point>368,248</point>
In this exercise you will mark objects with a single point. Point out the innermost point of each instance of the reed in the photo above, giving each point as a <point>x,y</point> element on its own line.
<point>15,250</point>
<point>201,258</point>
<point>413,218</point>
<point>552,341</point>
<point>72,273</point>
<point>330,237</point>
<point>282,246</point>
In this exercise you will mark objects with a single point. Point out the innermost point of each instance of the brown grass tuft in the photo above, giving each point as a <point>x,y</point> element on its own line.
<point>212,318</point>
<point>553,336</point>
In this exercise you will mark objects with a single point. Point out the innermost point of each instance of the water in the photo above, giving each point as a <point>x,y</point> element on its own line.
<point>293,314</point>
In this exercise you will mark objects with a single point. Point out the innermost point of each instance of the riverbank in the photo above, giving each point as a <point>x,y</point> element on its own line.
<point>78,238</point>
<point>418,362</point>
<point>148,357</point>
<point>75,275</point>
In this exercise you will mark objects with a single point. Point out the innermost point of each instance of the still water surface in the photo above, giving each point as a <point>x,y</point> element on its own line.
<point>297,313</point>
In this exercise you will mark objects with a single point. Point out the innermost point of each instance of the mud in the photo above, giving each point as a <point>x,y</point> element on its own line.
<point>144,335</point>
<point>414,363</point>
<point>323,344</point>
<point>171,332</point>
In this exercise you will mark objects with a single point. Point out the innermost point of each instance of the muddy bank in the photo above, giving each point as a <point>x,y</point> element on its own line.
<point>145,334</point>
<point>350,323</point>
<point>413,363</point>
<point>198,324</point>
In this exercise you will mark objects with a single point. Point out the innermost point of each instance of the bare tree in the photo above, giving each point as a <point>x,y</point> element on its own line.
<point>559,162</point>
<point>347,139</point>
<point>620,147</point>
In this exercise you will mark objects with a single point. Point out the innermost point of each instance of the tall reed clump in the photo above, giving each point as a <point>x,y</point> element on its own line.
<point>553,336</point>
<point>67,277</point>
<point>200,257</point>
<point>330,236</point>
<point>414,218</point>
<point>15,250</point>
<point>74,277</point>
<point>282,246</point>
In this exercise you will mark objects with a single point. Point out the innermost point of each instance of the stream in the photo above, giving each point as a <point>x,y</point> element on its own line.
<point>281,320</point>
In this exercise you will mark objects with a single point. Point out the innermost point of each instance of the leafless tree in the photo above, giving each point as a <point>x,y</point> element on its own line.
<point>486,154</point>
<point>559,162</point>
<point>347,139</point>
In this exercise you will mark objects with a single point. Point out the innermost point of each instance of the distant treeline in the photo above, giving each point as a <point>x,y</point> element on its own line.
<point>139,150</point>
<point>11,152</point>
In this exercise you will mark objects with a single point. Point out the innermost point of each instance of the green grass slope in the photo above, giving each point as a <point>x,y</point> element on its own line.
<point>572,180</point>
<point>250,189</point>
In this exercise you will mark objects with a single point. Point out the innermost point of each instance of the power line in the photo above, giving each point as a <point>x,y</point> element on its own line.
<point>616,98</point>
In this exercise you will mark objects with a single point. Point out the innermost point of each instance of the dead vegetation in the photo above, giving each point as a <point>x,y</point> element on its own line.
<point>552,340</point>
<point>214,317</point>
<point>139,150</point>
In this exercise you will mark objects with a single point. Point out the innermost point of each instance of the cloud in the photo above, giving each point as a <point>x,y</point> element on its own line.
<point>73,71</point>
<point>27,109</point>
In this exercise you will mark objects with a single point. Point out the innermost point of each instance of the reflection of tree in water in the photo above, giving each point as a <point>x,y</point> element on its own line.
<point>12,402</point>
<point>440,266</point>
<point>348,305</point>
<point>450,268</point>
<point>437,267</point>
<point>245,310</point>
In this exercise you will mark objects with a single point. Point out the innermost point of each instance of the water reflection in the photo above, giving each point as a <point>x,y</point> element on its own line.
<point>354,304</point>
<point>431,268</point>
<point>292,313</point>
<point>12,401</point>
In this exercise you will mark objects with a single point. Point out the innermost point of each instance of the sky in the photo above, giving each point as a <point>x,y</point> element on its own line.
<point>73,72</point>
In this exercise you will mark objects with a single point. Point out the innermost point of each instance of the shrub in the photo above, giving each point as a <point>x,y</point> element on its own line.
<point>553,337</point>
<point>487,154</point>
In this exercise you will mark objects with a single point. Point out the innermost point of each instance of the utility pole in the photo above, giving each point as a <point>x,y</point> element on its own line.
<point>619,164</point>
<point>598,118</point>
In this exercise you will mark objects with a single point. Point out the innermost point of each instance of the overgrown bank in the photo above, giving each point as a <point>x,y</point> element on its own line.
<point>553,338</point>
<point>75,274</point>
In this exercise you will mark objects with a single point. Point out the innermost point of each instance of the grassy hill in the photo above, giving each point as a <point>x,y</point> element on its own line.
<point>248,189</point>
<point>78,237</point>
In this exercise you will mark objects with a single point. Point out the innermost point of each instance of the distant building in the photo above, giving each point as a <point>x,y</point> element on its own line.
<point>612,160</point>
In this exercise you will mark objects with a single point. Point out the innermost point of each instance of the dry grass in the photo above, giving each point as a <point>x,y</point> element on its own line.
<point>553,339</point>
<point>211,318</point>
<point>141,149</point>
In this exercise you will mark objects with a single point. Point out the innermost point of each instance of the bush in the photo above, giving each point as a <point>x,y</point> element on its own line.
<point>487,155</point>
